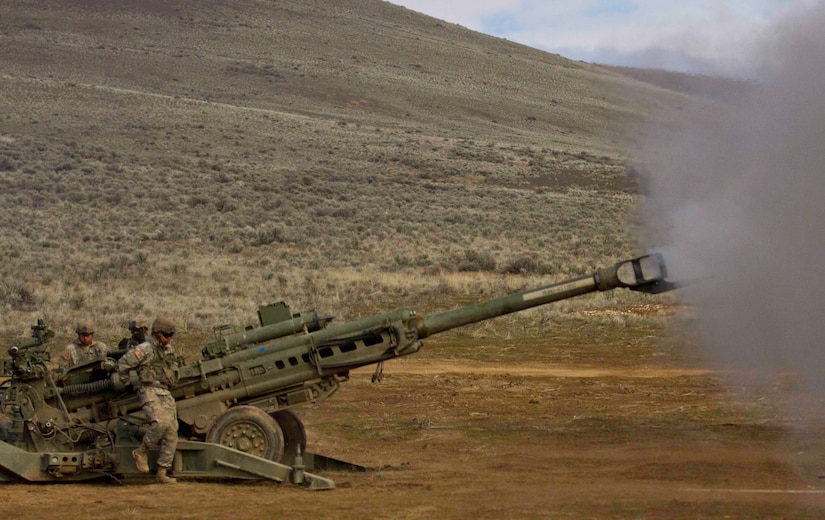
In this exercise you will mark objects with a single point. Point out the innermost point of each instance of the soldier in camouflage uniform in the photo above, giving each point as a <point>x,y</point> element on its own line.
<point>138,329</point>
<point>84,348</point>
<point>157,369</point>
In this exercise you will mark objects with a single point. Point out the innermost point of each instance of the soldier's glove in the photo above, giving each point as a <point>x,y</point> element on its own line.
<point>108,365</point>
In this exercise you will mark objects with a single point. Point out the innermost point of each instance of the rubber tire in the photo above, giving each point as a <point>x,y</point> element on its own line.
<point>295,434</point>
<point>250,430</point>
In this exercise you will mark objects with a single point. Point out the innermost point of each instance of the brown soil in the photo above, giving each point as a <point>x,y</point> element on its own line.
<point>447,439</point>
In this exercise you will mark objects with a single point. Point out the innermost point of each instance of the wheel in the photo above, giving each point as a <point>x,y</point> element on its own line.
<point>250,430</point>
<point>294,434</point>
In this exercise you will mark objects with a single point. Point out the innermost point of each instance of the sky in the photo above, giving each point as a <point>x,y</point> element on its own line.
<point>696,36</point>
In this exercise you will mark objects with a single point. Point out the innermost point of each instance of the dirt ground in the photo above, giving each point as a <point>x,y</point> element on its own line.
<point>446,438</point>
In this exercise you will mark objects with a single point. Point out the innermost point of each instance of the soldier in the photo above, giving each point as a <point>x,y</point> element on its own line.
<point>157,369</point>
<point>138,328</point>
<point>84,348</point>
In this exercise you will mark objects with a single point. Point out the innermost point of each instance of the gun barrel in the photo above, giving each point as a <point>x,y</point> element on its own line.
<point>311,320</point>
<point>329,333</point>
<point>645,273</point>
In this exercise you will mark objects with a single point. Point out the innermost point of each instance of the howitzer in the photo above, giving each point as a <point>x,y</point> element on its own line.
<point>235,403</point>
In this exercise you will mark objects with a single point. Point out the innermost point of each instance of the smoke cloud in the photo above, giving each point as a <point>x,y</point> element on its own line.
<point>737,201</point>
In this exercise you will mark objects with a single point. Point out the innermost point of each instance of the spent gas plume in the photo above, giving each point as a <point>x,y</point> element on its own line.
<point>737,195</point>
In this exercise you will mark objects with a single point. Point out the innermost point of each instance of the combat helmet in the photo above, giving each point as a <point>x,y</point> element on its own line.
<point>85,327</point>
<point>138,322</point>
<point>164,325</point>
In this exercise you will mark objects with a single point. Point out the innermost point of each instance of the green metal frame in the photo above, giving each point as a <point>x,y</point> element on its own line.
<point>193,459</point>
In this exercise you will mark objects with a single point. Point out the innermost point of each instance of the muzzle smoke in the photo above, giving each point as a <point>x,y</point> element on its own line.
<point>737,189</point>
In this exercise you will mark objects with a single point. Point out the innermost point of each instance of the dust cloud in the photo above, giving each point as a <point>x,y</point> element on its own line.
<point>736,201</point>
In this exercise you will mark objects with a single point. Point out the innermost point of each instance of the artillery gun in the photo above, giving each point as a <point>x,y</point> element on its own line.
<point>236,402</point>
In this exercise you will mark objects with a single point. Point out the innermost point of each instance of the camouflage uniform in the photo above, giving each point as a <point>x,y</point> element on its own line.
<point>157,369</point>
<point>77,353</point>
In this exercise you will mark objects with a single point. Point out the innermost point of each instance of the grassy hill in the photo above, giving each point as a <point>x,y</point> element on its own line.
<point>196,159</point>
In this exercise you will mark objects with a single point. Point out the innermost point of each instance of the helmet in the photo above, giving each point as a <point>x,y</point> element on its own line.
<point>138,322</point>
<point>85,327</point>
<point>164,325</point>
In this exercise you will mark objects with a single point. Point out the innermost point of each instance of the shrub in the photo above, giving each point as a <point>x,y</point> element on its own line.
<point>477,261</point>
<point>265,237</point>
<point>523,265</point>
<point>17,297</point>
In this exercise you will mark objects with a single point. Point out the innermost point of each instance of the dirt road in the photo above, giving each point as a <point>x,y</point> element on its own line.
<point>479,440</point>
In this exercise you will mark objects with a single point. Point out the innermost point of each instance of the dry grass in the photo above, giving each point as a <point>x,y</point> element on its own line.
<point>202,292</point>
<point>196,161</point>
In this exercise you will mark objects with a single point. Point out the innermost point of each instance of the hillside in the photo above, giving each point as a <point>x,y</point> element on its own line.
<point>199,159</point>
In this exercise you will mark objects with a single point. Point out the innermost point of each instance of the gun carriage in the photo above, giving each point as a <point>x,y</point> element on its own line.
<point>236,402</point>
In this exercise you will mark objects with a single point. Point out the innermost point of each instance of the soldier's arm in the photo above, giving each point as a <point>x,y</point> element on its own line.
<point>133,358</point>
<point>102,349</point>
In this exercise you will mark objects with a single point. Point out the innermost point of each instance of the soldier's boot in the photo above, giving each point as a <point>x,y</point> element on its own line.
<point>163,478</point>
<point>140,455</point>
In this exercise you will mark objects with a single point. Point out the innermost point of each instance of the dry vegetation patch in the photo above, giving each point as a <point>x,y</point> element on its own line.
<point>198,160</point>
